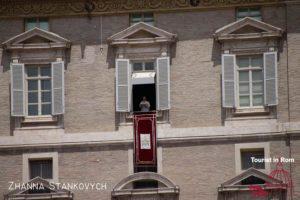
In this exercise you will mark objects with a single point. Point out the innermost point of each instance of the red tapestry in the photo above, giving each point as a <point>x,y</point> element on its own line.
<point>145,138</point>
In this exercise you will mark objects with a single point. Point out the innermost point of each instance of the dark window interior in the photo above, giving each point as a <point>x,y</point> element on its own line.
<point>145,183</point>
<point>41,168</point>
<point>252,180</point>
<point>147,90</point>
<point>246,155</point>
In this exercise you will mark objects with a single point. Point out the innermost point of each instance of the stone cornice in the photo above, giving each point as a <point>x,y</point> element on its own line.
<point>30,8</point>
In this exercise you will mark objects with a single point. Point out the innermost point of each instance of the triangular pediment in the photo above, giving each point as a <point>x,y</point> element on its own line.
<point>36,38</point>
<point>247,28</point>
<point>251,176</point>
<point>141,33</point>
<point>37,186</point>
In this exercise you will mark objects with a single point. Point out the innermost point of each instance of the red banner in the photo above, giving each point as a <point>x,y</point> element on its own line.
<point>145,138</point>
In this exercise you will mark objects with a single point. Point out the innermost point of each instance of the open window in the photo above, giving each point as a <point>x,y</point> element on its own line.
<point>142,70</point>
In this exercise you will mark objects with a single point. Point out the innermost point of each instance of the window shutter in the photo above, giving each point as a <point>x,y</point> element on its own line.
<point>270,78</point>
<point>58,88</point>
<point>122,85</point>
<point>228,80</point>
<point>163,83</point>
<point>17,90</point>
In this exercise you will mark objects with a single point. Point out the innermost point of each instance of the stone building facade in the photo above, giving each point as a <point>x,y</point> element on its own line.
<point>223,78</point>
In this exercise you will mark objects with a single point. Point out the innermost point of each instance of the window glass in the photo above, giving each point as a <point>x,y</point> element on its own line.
<point>251,83</point>
<point>246,160</point>
<point>137,66</point>
<point>142,17</point>
<point>41,168</point>
<point>41,23</point>
<point>143,66</point>
<point>149,66</point>
<point>248,12</point>
<point>39,90</point>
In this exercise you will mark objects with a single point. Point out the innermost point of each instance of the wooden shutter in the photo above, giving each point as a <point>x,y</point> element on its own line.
<point>122,85</point>
<point>17,89</point>
<point>163,83</point>
<point>58,88</point>
<point>270,78</point>
<point>228,80</point>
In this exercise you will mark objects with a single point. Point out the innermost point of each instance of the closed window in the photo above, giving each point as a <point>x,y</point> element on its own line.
<point>41,23</point>
<point>147,18</point>
<point>248,12</point>
<point>39,90</point>
<point>250,81</point>
<point>41,168</point>
<point>248,154</point>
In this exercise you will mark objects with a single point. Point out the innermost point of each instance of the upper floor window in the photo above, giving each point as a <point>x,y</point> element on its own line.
<point>147,18</point>
<point>247,156</point>
<point>39,90</point>
<point>41,168</point>
<point>143,66</point>
<point>248,12</point>
<point>41,23</point>
<point>251,81</point>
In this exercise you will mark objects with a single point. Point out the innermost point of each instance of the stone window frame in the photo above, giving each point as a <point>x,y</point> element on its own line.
<point>256,145</point>
<point>40,156</point>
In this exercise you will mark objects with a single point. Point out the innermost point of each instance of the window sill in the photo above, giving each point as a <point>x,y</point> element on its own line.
<point>251,111</point>
<point>39,119</point>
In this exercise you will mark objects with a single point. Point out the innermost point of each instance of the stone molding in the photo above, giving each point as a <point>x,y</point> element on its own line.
<point>43,8</point>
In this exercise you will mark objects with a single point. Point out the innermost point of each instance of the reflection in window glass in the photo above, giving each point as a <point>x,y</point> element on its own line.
<point>39,90</point>
<point>246,160</point>
<point>147,18</point>
<point>248,12</point>
<point>250,81</point>
<point>41,23</point>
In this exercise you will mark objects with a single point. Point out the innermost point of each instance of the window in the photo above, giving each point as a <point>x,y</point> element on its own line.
<point>143,66</point>
<point>142,17</point>
<point>246,158</point>
<point>244,152</point>
<point>250,81</point>
<point>41,168</point>
<point>39,90</point>
<point>248,12</point>
<point>41,23</point>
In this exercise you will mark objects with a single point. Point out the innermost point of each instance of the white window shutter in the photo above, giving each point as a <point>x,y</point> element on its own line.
<point>163,83</point>
<point>122,85</point>
<point>228,80</point>
<point>270,79</point>
<point>58,88</point>
<point>17,89</point>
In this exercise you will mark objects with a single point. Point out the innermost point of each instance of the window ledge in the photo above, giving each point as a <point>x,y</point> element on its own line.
<point>39,119</point>
<point>251,111</point>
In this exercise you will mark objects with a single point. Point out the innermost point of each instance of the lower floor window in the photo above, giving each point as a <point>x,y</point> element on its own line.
<point>39,90</point>
<point>41,168</point>
<point>248,154</point>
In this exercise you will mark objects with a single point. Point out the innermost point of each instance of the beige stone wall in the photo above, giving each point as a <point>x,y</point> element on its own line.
<point>90,91</point>
<point>195,69</point>
<point>293,38</point>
